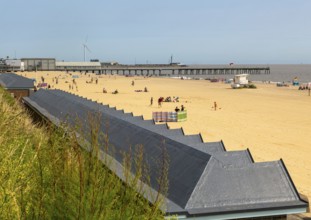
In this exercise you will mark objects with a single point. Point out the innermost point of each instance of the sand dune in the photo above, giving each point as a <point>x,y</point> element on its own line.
<point>272,122</point>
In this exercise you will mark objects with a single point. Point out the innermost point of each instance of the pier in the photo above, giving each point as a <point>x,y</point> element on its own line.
<point>174,71</point>
<point>47,64</point>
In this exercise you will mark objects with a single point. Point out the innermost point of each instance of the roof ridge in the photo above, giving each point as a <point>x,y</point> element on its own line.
<point>179,138</point>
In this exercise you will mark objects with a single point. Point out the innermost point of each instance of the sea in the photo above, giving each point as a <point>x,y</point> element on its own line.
<point>278,72</point>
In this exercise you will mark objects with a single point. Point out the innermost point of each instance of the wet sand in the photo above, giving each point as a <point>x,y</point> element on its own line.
<point>273,122</point>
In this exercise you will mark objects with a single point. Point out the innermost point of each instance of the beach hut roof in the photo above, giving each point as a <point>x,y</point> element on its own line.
<point>14,81</point>
<point>204,179</point>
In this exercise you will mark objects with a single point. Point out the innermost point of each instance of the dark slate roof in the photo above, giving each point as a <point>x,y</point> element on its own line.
<point>203,177</point>
<point>14,81</point>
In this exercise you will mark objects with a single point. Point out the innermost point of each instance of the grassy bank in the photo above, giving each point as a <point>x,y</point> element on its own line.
<point>45,174</point>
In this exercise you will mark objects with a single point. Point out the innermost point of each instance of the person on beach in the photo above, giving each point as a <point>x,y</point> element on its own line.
<point>160,100</point>
<point>177,109</point>
<point>182,108</point>
<point>145,90</point>
<point>133,83</point>
<point>151,101</point>
<point>215,106</point>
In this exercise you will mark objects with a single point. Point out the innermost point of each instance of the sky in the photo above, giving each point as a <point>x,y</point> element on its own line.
<point>142,31</point>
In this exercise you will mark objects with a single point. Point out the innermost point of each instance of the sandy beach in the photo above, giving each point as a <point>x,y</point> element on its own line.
<point>273,122</point>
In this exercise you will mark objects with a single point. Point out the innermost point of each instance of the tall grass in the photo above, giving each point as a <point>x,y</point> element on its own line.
<point>45,174</point>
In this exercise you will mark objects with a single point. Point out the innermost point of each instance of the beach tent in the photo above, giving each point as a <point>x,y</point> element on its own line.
<point>205,180</point>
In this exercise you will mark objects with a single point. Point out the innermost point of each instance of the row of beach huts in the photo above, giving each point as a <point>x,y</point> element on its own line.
<point>205,180</point>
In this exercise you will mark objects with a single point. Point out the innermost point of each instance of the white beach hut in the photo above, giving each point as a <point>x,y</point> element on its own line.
<point>239,80</point>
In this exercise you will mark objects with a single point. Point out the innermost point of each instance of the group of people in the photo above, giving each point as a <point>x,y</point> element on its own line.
<point>170,99</point>
<point>74,84</point>
<point>182,108</point>
<point>56,79</point>
<point>167,99</point>
<point>304,87</point>
<point>114,92</point>
<point>161,99</point>
<point>139,90</point>
<point>92,80</point>
<point>71,87</point>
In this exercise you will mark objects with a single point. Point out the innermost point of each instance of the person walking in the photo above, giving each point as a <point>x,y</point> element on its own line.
<point>151,101</point>
<point>215,106</point>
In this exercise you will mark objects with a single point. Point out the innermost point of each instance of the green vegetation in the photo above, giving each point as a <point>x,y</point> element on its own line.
<point>251,86</point>
<point>45,174</point>
<point>247,86</point>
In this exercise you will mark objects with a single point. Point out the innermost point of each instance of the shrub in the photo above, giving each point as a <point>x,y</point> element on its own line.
<point>252,86</point>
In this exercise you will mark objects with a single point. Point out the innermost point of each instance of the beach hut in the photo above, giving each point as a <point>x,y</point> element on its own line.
<point>17,85</point>
<point>204,180</point>
<point>239,80</point>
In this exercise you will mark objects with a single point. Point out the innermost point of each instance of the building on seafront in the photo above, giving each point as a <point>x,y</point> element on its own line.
<point>78,66</point>
<point>39,64</point>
